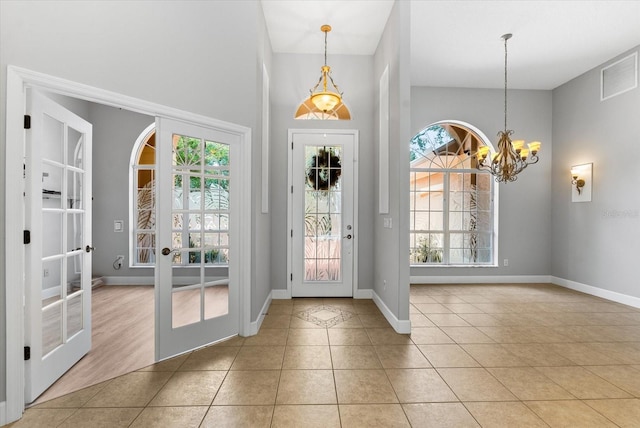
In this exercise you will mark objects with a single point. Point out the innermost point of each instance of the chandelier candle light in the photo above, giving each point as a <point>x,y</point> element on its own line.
<point>511,157</point>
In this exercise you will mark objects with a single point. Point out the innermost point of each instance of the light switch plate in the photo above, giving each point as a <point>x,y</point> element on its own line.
<point>118,225</point>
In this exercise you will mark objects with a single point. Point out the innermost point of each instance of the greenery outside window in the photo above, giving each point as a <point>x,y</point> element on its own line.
<point>451,202</point>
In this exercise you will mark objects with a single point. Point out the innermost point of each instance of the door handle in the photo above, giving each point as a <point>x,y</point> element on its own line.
<point>347,237</point>
<point>89,248</point>
<point>166,251</point>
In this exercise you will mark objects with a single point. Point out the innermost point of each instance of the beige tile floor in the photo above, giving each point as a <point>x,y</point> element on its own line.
<point>479,355</point>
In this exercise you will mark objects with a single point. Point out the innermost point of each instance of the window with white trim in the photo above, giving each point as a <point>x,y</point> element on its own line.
<point>451,202</point>
<point>142,219</point>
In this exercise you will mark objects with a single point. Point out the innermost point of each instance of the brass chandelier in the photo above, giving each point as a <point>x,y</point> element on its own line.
<point>324,103</point>
<point>511,158</point>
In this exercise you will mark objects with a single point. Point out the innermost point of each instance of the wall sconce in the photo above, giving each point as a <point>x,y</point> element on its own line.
<point>576,180</point>
<point>581,182</point>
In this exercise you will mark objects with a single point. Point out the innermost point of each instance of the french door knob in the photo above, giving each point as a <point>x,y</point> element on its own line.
<point>166,251</point>
<point>348,236</point>
<point>89,248</point>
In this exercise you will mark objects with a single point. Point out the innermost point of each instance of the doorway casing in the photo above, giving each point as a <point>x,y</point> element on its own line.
<point>18,79</point>
<point>357,294</point>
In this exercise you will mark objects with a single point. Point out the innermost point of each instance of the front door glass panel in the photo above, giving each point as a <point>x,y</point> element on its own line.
<point>323,214</point>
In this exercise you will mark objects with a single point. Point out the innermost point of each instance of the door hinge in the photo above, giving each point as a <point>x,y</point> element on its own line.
<point>291,189</point>
<point>292,145</point>
<point>292,233</point>
<point>26,237</point>
<point>27,353</point>
<point>291,277</point>
<point>27,121</point>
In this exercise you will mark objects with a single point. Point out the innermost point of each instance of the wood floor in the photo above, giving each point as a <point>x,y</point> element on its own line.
<point>122,338</point>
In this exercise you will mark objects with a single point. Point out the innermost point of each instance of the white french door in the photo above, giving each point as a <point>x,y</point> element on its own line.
<point>198,234</point>
<point>58,257</point>
<point>323,232</point>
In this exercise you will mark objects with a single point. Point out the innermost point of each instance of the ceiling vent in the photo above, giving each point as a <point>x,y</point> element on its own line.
<point>619,77</point>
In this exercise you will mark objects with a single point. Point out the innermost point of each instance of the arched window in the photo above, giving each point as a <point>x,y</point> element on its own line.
<point>186,193</point>
<point>142,240</point>
<point>452,204</point>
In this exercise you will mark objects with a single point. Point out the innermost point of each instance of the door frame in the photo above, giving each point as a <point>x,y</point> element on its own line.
<point>355,133</point>
<point>18,79</point>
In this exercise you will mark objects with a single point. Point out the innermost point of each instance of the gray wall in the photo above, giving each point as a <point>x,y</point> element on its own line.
<point>261,230</point>
<point>391,246</point>
<point>291,79</point>
<point>524,205</point>
<point>206,65</point>
<point>114,133</point>
<point>596,243</point>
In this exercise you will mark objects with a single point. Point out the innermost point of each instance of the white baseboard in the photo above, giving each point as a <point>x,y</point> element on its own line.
<point>363,294</point>
<point>129,280</point>
<point>150,280</point>
<point>48,293</point>
<point>255,325</point>
<point>498,279</point>
<point>400,326</point>
<point>284,294</point>
<point>3,413</point>
<point>599,292</point>
<point>280,294</point>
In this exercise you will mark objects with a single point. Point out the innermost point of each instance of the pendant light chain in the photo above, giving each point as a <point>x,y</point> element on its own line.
<point>325,47</point>
<point>505,81</point>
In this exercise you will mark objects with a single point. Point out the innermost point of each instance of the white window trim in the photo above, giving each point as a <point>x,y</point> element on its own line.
<point>133,202</point>
<point>495,212</point>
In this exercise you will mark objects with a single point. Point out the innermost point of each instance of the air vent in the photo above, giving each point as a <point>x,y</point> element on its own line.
<point>619,77</point>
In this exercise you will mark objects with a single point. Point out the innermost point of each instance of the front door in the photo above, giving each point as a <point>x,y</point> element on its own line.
<point>198,233</point>
<point>322,203</point>
<point>58,257</point>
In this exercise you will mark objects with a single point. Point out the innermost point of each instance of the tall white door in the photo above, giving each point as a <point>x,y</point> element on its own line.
<point>197,244</point>
<point>58,257</point>
<point>322,203</point>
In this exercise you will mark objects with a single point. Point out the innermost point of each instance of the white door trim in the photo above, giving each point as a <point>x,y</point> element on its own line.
<point>17,80</point>
<point>355,134</point>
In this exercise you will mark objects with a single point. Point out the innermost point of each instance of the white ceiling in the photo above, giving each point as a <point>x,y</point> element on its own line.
<point>457,43</point>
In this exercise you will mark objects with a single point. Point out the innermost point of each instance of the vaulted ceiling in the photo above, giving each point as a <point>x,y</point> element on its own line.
<point>457,43</point>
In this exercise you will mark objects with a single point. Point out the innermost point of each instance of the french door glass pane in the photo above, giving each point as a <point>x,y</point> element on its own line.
<point>74,315</point>
<point>323,213</point>
<point>51,328</point>
<point>53,145</point>
<point>185,308</point>
<point>200,236</point>
<point>51,281</point>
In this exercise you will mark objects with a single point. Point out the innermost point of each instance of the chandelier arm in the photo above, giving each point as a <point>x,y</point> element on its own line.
<point>312,90</point>
<point>334,85</point>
